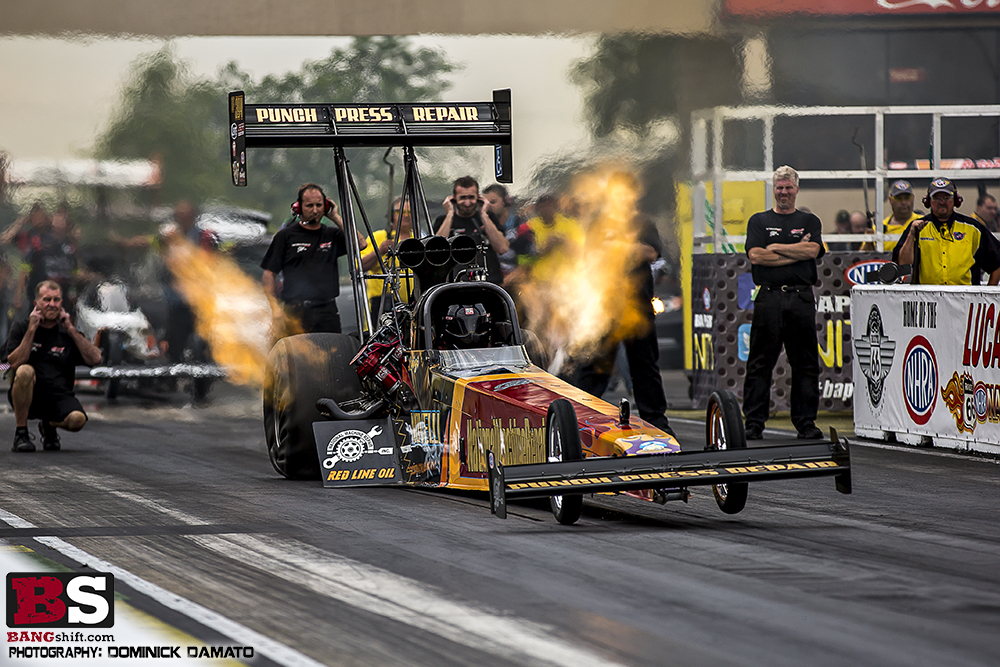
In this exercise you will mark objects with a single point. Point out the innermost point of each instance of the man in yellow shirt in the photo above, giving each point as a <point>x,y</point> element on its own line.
<point>384,239</point>
<point>548,234</point>
<point>954,249</point>
<point>901,201</point>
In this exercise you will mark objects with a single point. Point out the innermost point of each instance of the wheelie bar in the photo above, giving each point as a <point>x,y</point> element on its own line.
<point>646,471</point>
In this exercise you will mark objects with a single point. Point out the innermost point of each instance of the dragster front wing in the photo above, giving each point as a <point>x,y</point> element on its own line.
<point>683,469</point>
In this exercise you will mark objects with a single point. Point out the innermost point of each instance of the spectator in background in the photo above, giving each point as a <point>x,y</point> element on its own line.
<point>466,211</point>
<point>540,239</point>
<point>986,211</point>
<point>843,226</point>
<point>953,249</point>
<point>180,317</point>
<point>382,241</point>
<point>501,206</point>
<point>52,257</point>
<point>37,221</point>
<point>860,225</point>
<point>642,349</point>
<point>901,202</point>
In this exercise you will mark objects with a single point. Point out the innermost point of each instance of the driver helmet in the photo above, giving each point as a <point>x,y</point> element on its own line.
<point>467,325</point>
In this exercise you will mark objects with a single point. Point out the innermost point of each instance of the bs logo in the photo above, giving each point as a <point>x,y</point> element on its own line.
<point>60,600</point>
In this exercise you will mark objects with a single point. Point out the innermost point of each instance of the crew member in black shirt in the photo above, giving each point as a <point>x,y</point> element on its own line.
<point>642,348</point>
<point>305,252</point>
<point>783,245</point>
<point>44,351</point>
<point>467,212</point>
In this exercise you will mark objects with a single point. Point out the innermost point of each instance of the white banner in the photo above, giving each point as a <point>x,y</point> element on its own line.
<point>927,364</point>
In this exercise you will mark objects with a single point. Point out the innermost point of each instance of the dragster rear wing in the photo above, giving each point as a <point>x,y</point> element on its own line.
<point>668,470</point>
<point>378,124</point>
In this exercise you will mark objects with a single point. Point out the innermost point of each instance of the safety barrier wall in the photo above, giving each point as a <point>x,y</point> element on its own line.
<point>722,310</point>
<point>927,365</point>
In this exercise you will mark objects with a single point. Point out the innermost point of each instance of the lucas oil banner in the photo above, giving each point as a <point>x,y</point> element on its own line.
<point>927,364</point>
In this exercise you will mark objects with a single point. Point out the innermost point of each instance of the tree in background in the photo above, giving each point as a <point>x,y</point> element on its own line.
<point>168,114</point>
<point>641,90</point>
<point>372,69</point>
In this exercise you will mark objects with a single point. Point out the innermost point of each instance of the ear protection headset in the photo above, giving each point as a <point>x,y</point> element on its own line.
<point>297,204</point>
<point>926,201</point>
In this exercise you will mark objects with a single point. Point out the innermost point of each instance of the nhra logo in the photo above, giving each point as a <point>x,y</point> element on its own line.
<point>60,600</point>
<point>874,351</point>
<point>920,379</point>
<point>857,274</point>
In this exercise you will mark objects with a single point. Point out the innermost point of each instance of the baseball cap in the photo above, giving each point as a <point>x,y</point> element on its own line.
<point>941,185</point>
<point>900,188</point>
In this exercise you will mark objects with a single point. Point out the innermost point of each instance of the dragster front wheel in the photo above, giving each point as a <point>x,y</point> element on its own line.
<point>562,443</point>
<point>724,430</point>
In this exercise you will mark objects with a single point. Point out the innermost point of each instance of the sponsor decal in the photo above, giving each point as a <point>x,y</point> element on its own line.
<point>958,236</point>
<point>675,475</point>
<point>421,457</point>
<point>438,114</point>
<point>920,314</point>
<point>702,321</point>
<point>706,299</point>
<point>516,444</point>
<point>360,474</point>
<point>837,390</point>
<point>350,445</point>
<point>236,106</point>
<point>363,114</point>
<point>60,600</point>
<point>743,341</point>
<point>232,131</point>
<point>982,336</point>
<point>857,274</point>
<point>287,115</point>
<point>643,443</point>
<point>920,376</point>
<point>971,403</point>
<point>874,351</point>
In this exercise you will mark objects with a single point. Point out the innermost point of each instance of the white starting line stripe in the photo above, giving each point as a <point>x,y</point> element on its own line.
<point>401,599</point>
<point>352,582</point>
<point>240,634</point>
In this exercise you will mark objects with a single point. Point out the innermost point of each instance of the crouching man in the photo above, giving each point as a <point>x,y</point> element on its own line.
<point>44,351</point>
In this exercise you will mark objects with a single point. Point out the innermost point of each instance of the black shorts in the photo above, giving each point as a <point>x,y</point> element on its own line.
<point>51,407</point>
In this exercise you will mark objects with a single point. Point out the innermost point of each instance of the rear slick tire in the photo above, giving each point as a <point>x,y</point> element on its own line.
<point>562,443</point>
<point>724,431</point>
<point>301,369</point>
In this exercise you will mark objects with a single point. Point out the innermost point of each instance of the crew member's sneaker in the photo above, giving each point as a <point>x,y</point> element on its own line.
<point>23,440</point>
<point>50,437</point>
<point>754,433</point>
<point>810,433</point>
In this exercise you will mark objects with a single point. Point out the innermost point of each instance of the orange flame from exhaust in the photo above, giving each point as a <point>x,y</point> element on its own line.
<point>585,298</point>
<point>232,312</point>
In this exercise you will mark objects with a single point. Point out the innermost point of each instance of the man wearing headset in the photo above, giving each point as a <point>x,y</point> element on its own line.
<point>954,249</point>
<point>305,252</point>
